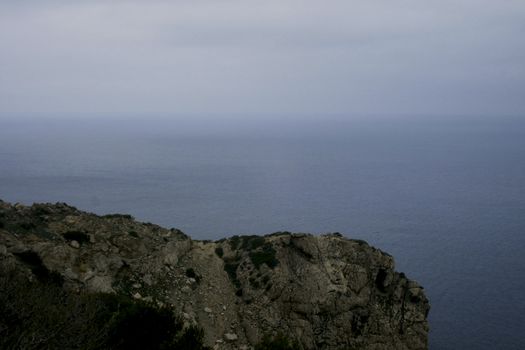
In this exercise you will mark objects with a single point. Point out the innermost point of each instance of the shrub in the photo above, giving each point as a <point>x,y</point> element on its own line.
<point>190,272</point>
<point>40,210</point>
<point>26,226</point>
<point>118,216</point>
<point>234,242</point>
<point>37,267</point>
<point>254,283</point>
<point>78,236</point>
<point>264,256</point>
<point>137,325</point>
<point>252,242</point>
<point>219,251</point>
<point>231,270</point>
<point>42,315</point>
<point>278,342</point>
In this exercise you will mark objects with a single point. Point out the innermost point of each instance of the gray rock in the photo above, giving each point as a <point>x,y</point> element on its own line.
<point>231,337</point>
<point>327,292</point>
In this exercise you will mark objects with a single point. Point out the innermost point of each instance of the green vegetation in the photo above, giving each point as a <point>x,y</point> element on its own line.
<point>280,233</point>
<point>190,272</point>
<point>26,226</point>
<point>231,269</point>
<point>40,210</point>
<point>254,283</point>
<point>133,234</point>
<point>359,241</point>
<point>118,216</point>
<point>219,251</point>
<point>265,255</point>
<point>234,242</point>
<point>252,242</point>
<point>259,252</point>
<point>78,236</point>
<point>42,315</point>
<point>266,279</point>
<point>278,342</point>
<point>37,267</point>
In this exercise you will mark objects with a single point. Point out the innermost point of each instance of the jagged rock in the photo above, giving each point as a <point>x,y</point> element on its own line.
<point>327,292</point>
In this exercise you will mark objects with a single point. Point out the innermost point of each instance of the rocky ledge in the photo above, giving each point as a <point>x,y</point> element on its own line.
<point>325,292</point>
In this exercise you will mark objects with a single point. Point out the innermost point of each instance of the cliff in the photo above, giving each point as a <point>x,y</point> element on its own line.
<point>326,292</point>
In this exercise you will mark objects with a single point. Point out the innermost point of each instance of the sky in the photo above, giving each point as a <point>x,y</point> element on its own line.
<point>445,57</point>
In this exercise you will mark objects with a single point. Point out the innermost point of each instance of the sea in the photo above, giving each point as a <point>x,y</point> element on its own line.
<point>444,195</point>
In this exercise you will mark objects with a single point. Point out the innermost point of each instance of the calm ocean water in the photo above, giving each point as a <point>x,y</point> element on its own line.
<point>445,197</point>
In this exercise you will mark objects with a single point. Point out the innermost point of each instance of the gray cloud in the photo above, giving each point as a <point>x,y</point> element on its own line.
<point>433,57</point>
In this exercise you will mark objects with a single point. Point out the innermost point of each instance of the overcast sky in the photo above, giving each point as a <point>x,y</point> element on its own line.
<point>254,57</point>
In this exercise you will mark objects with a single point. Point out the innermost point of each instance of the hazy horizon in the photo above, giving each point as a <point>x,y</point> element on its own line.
<point>290,57</point>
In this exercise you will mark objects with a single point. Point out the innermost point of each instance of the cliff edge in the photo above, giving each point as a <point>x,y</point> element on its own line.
<point>325,292</point>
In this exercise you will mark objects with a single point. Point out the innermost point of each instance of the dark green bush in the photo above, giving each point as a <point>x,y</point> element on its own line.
<point>278,342</point>
<point>26,226</point>
<point>266,255</point>
<point>252,242</point>
<point>280,233</point>
<point>118,216</point>
<point>231,270</point>
<point>190,272</point>
<point>36,315</point>
<point>219,251</point>
<point>78,236</point>
<point>234,242</point>
<point>40,210</point>
<point>41,272</point>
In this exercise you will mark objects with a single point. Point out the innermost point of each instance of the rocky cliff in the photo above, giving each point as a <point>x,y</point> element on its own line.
<point>327,292</point>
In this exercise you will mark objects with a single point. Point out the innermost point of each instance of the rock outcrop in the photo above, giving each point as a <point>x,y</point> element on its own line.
<point>326,292</point>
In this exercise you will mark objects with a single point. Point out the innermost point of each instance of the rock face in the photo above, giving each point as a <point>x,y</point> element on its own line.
<point>326,292</point>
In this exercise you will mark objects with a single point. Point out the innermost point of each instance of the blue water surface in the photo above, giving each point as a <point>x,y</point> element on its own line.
<point>445,196</point>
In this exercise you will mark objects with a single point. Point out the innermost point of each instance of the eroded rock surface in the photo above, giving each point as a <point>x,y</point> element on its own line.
<point>327,292</point>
